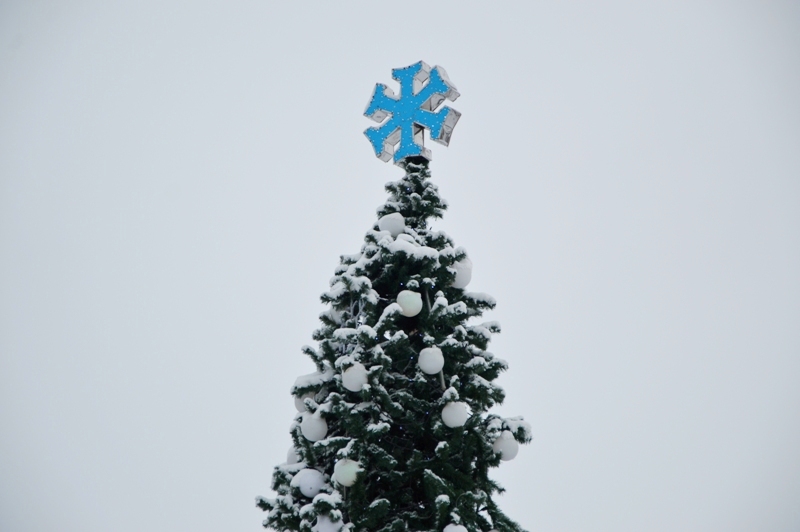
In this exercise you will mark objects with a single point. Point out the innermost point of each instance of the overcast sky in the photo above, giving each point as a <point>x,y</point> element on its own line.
<point>178,179</point>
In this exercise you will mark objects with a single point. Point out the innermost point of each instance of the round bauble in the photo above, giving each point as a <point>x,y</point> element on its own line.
<point>410,303</point>
<point>291,456</point>
<point>298,401</point>
<point>394,223</point>
<point>431,360</point>
<point>309,482</point>
<point>455,528</point>
<point>326,524</point>
<point>345,472</point>
<point>354,377</point>
<point>506,446</point>
<point>314,428</point>
<point>455,414</point>
<point>463,273</point>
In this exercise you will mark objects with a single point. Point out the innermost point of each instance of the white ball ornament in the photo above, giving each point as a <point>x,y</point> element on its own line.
<point>410,303</point>
<point>314,428</point>
<point>309,482</point>
<point>291,456</point>
<point>345,472</point>
<point>298,401</point>
<point>463,273</point>
<point>455,414</point>
<point>431,360</point>
<point>354,377</point>
<point>326,524</point>
<point>394,223</point>
<point>506,446</point>
<point>455,528</point>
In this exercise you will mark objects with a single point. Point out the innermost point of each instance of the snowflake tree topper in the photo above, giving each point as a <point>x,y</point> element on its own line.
<point>422,90</point>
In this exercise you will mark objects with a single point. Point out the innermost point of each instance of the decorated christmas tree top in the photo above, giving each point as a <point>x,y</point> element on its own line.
<point>393,432</point>
<point>422,89</point>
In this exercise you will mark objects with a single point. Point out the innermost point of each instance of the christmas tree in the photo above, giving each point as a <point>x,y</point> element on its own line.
<point>393,431</point>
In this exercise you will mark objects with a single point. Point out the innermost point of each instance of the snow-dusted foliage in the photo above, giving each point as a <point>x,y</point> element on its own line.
<point>414,447</point>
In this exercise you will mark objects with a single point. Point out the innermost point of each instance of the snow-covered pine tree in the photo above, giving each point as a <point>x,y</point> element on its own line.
<point>393,432</point>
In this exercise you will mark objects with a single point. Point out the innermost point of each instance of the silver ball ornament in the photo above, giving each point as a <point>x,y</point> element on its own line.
<point>309,481</point>
<point>506,446</point>
<point>455,414</point>
<point>463,273</point>
<point>354,377</point>
<point>313,427</point>
<point>431,360</point>
<point>410,303</point>
<point>394,223</point>
<point>345,472</point>
<point>298,401</point>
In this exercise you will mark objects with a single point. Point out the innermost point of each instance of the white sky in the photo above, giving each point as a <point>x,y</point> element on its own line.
<point>177,180</point>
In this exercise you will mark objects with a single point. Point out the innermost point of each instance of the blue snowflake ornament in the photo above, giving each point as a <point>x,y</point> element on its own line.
<point>422,90</point>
